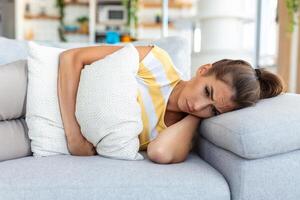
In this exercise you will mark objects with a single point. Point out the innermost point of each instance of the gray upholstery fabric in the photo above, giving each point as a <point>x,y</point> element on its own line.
<point>271,178</point>
<point>94,177</point>
<point>13,87</point>
<point>14,140</point>
<point>269,128</point>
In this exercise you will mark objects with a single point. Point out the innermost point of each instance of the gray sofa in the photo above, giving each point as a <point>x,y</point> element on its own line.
<point>251,160</point>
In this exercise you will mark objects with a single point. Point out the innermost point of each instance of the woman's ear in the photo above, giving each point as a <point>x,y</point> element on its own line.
<point>204,68</point>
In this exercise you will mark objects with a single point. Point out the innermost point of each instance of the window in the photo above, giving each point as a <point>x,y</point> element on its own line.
<point>268,34</point>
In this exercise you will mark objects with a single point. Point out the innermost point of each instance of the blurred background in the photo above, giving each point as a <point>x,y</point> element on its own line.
<point>262,32</point>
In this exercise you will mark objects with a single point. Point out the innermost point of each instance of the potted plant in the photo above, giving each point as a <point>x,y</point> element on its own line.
<point>61,6</point>
<point>84,24</point>
<point>292,7</point>
<point>132,18</point>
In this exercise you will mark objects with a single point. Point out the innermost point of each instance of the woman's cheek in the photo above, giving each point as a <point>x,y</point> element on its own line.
<point>204,114</point>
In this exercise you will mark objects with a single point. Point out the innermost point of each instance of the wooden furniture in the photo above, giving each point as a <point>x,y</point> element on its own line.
<point>287,53</point>
<point>298,64</point>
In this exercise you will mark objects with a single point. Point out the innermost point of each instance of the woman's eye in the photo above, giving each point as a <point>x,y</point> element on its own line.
<point>206,91</point>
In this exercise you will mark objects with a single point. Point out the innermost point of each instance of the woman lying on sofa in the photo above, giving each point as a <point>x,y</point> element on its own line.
<point>177,106</point>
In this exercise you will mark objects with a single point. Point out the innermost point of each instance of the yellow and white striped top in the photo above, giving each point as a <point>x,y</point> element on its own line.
<point>156,77</point>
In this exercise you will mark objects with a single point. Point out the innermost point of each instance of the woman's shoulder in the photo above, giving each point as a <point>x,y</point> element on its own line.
<point>144,51</point>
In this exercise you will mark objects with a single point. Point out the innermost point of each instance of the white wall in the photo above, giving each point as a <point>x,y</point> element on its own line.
<point>224,33</point>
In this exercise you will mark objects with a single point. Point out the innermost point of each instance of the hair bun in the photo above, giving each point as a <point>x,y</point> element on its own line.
<point>270,84</point>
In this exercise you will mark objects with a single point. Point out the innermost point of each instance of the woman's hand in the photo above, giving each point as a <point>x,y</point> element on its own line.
<point>77,144</point>
<point>80,146</point>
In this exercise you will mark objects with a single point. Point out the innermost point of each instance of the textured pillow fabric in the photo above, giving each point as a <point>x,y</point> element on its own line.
<point>270,127</point>
<point>106,106</point>
<point>42,109</point>
<point>14,141</point>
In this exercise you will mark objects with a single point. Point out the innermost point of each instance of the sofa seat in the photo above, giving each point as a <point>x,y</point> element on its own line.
<point>97,177</point>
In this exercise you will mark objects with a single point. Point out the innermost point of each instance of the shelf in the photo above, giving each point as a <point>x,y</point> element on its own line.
<point>171,4</point>
<point>77,3</point>
<point>75,33</point>
<point>154,25</point>
<point>50,17</point>
<point>110,23</point>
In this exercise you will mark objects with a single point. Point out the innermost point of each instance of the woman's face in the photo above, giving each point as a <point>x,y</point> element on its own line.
<point>205,96</point>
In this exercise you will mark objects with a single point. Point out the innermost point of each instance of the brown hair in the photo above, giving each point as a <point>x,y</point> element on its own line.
<point>249,84</point>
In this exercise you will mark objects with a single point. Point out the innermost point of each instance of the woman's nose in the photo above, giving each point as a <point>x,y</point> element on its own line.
<point>196,106</point>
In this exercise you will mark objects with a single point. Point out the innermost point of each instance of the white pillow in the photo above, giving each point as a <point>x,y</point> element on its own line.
<point>107,108</point>
<point>45,128</point>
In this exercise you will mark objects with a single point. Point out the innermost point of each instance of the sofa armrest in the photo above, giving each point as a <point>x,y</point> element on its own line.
<point>270,127</point>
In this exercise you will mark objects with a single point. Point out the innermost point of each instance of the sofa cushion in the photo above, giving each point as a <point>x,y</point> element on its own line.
<point>94,177</point>
<point>13,86</point>
<point>14,141</point>
<point>270,127</point>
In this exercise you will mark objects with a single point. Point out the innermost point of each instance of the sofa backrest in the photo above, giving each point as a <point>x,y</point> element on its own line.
<point>177,47</point>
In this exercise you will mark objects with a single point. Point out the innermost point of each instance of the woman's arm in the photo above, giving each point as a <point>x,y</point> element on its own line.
<point>173,144</point>
<point>71,62</point>
<point>68,79</point>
